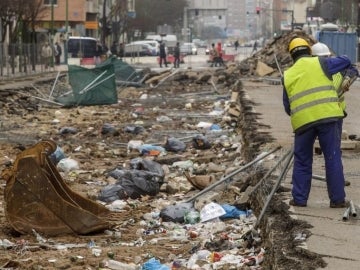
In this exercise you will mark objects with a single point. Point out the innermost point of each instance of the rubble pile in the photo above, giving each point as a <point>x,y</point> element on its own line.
<point>263,62</point>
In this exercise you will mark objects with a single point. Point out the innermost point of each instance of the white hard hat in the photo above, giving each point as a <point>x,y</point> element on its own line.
<point>320,49</point>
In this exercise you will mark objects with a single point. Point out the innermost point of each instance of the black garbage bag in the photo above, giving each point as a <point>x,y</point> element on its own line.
<point>150,166</point>
<point>201,142</point>
<point>108,129</point>
<point>138,183</point>
<point>174,145</point>
<point>68,130</point>
<point>117,173</point>
<point>131,184</point>
<point>112,193</point>
<point>176,212</point>
<point>134,129</point>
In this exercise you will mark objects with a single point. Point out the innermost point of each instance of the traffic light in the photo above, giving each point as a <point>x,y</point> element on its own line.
<point>257,10</point>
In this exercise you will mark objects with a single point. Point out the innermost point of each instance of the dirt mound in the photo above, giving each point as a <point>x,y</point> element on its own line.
<point>274,50</point>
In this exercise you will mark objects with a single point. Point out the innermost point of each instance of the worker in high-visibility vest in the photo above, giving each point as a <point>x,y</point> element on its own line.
<point>311,101</point>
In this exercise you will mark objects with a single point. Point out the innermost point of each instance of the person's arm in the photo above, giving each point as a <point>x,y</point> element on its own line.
<point>286,101</point>
<point>333,65</point>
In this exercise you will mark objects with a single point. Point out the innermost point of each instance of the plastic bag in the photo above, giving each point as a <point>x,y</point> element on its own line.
<point>201,142</point>
<point>148,165</point>
<point>68,165</point>
<point>57,155</point>
<point>151,150</point>
<point>154,264</point>
<point>68,130</point>
<point>134,129</point>
<point>174,145</point>
<point>176,213</point>
<point>211,211</point>
<point>233,212</point>
<point>131,184</point>
<point>108,129</point>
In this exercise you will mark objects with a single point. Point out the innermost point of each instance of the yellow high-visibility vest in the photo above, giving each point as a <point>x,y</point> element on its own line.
<point>311,93</point>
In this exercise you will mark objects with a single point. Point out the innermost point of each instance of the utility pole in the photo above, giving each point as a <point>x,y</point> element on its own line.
<point>52,33</point>
<point>103,24</point>
<point>66,31</point>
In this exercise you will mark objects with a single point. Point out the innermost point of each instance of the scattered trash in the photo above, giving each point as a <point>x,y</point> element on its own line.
<point>134,129</point>
<point>176,213</point>
<point>233,212</point>
<point>174,145</point>
<point>151,150</point>
<point>201,142</point>
<point>68,130</point>
<point>57,155</point>
<point>211,211</point>
<point>116,265</point>
<point>154,264</point>
<point>192,217</point>
<point>67,165</point>
<point>108,129</point>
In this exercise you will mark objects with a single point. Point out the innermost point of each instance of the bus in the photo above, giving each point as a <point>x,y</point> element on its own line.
<point>81,47</point>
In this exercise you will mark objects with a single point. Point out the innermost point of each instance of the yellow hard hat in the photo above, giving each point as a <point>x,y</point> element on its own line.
<point>298,44</point>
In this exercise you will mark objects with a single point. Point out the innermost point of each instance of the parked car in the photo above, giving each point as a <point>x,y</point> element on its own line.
<point>134,50</point>
<point>153,43</point>
<point>188,49</point>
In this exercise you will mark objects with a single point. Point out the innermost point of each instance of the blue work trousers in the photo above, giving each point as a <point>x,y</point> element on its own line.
<point>329,139</point>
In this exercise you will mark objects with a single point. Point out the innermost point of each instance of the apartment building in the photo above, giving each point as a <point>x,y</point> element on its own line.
<point>80,17</point>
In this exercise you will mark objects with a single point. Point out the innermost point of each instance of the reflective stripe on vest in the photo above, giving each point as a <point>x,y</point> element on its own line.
<point>311,94</point>
<point>337,80</point>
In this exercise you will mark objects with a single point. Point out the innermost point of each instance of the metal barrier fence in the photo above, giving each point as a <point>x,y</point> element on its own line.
<point>22,59</point>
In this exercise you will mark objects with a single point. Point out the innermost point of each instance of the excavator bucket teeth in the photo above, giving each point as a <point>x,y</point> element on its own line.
<point>36,197</point>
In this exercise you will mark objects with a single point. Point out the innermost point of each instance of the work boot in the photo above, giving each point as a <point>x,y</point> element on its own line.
<point>343,204</point>
<point>293,203</point>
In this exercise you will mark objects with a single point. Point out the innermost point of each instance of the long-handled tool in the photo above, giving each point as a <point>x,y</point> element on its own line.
<point>231,175</point>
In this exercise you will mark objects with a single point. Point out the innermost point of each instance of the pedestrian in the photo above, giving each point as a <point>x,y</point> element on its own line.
<point>114,49</point>
<point>121,50</point>
<point>177,55</point>
<point>311,101</point>
<point>98,53</point>
<point>46,54</point>
<point>220,53</point>
<point>162,54</point>
<point>214,55</point>
<point>254,47</point>
<point>236,44</point>
<point>57,52</point>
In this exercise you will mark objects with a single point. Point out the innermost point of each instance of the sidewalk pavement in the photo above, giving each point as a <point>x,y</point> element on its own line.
<point>337,240</point>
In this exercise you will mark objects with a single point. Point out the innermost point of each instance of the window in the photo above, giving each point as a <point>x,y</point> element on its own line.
<point>49,2</point>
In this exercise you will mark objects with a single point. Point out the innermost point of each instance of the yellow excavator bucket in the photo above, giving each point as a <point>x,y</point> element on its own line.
<point>37,198</point>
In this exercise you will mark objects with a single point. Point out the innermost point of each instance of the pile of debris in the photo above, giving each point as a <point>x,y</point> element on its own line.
<point>263,62</point>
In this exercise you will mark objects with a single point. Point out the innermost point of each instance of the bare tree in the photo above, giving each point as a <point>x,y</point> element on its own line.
<point>17,16</point>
